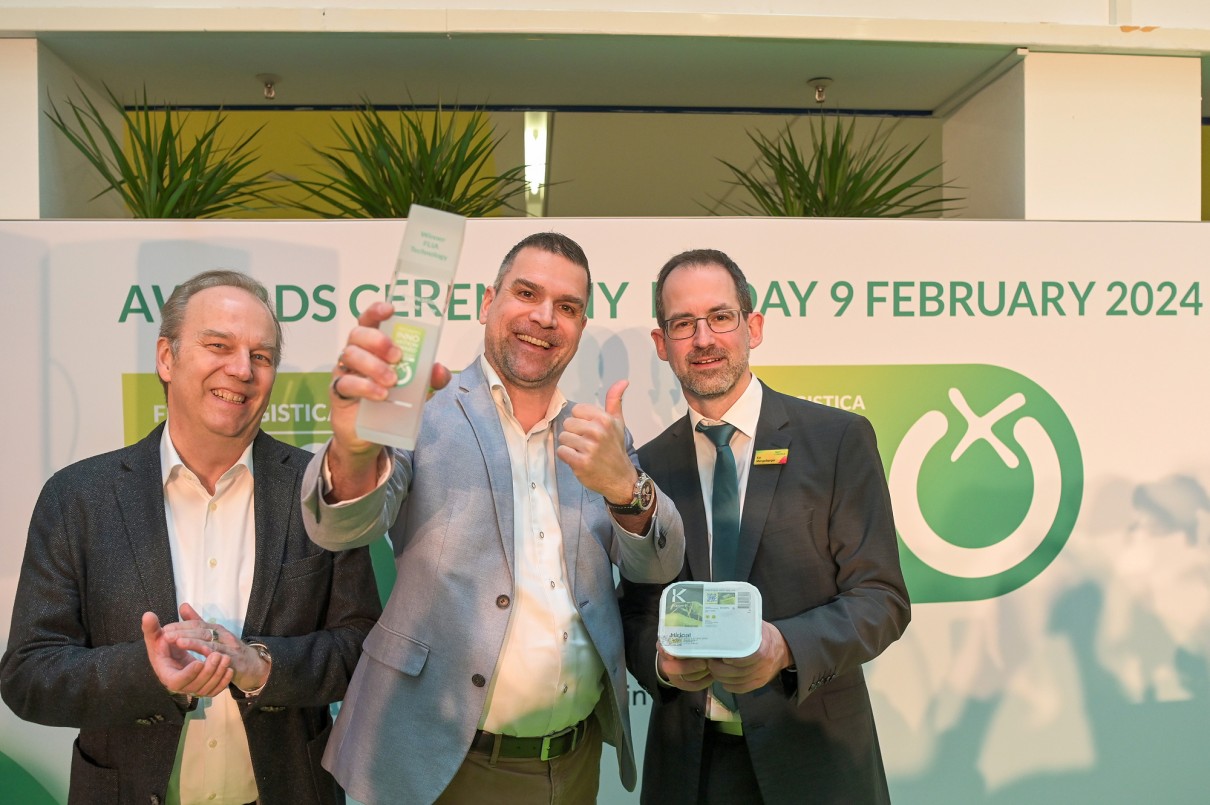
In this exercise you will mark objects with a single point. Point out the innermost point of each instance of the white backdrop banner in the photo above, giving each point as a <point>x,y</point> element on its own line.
<point>1038,389</point>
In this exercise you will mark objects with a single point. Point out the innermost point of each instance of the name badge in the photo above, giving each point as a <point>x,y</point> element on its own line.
<point>771,457</point>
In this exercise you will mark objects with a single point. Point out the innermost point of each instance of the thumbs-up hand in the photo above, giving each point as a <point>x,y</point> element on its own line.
<point>593,444</point>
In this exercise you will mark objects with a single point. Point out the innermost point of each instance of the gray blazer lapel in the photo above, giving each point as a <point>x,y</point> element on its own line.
<point>762,482</point>
<point>477,403</point>
<point>571,504</point>
<point>274,500</point>
<point>685,486</point>
<point>140,494</point>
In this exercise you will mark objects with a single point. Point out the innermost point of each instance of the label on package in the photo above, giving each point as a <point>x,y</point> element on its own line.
<point>710,619</point>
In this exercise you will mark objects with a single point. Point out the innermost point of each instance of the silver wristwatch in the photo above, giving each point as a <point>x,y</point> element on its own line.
<point>644,497</point>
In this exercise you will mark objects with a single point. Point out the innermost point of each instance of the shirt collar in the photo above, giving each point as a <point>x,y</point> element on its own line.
<point>171,464</point>
<point>744,413</point>
<point>500,393</point>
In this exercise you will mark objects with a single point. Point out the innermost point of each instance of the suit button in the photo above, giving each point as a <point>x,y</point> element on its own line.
<point>478,681</point>
<point>662,541</point>
<point>503,601</point>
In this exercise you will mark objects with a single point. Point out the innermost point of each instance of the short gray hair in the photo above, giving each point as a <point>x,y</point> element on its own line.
<point>172,314</point>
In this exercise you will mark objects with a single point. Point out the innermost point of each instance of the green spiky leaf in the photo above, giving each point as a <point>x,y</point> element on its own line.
<point>837,177</point>
<point>154,170</point>
<point>380,171</point>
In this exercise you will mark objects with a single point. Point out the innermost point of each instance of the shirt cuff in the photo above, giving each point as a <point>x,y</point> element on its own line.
<point>384,472</point>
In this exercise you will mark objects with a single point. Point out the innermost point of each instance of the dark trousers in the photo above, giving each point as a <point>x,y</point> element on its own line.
<point>570,779</point>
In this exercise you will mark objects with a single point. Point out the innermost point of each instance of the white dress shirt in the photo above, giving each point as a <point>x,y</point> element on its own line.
<point>548,676</point>
<point>213,544</point>
<point>743,414</point>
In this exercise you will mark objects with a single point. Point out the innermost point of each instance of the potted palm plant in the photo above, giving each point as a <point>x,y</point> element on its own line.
<point>157,170</point>
<point>837,176</point>
<point>382,167</point>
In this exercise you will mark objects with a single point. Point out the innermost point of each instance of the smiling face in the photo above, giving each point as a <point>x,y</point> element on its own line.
<point>219,378</point>
<point>712,367</point>
<point>535,320</point>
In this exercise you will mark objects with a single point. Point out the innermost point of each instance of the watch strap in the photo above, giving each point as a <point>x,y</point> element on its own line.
<point>637,505</point>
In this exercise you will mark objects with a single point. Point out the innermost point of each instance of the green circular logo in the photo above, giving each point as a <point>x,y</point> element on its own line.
<point>984,468</point>
<point>986,486</point>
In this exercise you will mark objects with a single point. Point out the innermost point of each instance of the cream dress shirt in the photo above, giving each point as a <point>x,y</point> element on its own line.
<point>213,544</point>
<point>548,676</point>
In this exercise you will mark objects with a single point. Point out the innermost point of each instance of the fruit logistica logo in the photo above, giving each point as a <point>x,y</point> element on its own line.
<point>297,413</point>
<point>984,469</point>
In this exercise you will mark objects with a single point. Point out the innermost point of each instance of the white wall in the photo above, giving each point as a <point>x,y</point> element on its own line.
<point>1112,137</point>
<point>983,145</point>
<point>1172,25</point>
<point>19,127</point>
<point>1172,13</point>
<point>69,184</point>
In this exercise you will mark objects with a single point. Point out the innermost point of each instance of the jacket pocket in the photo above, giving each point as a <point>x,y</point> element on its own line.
<point>91,783</point>
<point>395,650</point>
<point>305,567</point>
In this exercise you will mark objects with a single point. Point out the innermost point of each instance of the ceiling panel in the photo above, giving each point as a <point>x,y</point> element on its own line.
<point>210,69</point>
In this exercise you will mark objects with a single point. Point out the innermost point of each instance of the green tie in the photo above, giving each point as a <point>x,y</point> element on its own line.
<point>724,507</point>
<point>724,503</point>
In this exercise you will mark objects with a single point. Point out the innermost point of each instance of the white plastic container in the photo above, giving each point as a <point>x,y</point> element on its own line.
<point>710,619</point>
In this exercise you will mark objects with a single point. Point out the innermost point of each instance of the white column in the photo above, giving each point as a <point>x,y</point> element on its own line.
<point>19,196</point>
<point>1112,137</point>
<point>1081,136</point>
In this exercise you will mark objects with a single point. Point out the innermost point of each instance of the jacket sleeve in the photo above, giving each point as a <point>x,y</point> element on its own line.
<point>656,557</point>
<point>639,604</point>
<point>871,607</point>
<point>313,668</point>
<point>53,672</point>
<point>359,522</point>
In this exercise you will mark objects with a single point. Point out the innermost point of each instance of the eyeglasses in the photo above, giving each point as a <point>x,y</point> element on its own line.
<point>719,321</point>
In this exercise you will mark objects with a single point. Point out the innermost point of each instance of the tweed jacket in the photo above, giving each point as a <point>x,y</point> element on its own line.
<point>98,557</point>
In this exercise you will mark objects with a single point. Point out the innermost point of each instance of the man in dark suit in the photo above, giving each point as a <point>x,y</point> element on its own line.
<point>229,704</point>
<point>812,532</point>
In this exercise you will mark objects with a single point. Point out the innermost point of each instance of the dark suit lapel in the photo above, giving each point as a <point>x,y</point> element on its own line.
<point>275,506</point>
<point>685,487</point>
<point>480,408</point>
<point>140,494</point>
<point>762,481</point>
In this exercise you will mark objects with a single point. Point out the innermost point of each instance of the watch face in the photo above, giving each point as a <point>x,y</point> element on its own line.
<point>646,493</point>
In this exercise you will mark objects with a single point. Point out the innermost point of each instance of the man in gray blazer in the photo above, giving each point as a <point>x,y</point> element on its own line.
<point>497,668</point>
<point>814,535</point>
<point>229,704</point>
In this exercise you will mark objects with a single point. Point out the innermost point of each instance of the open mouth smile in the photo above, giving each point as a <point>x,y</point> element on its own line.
<point>229,396</point>
<point>537,342</point>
